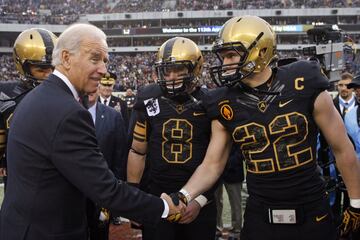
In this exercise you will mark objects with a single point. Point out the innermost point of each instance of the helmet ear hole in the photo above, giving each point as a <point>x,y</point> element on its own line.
<point>262,52</point>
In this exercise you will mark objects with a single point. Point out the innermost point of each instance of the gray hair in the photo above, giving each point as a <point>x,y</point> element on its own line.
<point>72,37</point>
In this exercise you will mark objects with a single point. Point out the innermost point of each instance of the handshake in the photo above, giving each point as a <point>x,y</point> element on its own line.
<point>177,205</point>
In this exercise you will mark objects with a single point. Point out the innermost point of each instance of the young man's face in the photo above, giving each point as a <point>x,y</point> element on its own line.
<point>344,92</point>
<point>40,73</point>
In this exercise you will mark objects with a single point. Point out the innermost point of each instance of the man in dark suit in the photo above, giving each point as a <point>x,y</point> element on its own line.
<point>106,88</point>
<point>54,161</point>
<point>111,136</point>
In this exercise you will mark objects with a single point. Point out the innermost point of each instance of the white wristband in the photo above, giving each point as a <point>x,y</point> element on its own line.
<point>355,203</point>
<point>201,200</point>
<point>186,194</point>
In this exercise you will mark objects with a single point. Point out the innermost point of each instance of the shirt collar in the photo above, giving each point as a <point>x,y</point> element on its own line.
<point>350,102</point>
<point>68,83</point>
<point>92,111</point>
<point>102,99</point>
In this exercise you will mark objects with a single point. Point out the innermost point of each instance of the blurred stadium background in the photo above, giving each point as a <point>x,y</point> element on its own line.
<point>136,29</point>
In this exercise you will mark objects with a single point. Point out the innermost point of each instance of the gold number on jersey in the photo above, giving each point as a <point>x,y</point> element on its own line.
<point>299,83</point>
<point>291,129</point>
<point>253,139</point>
<point>177,136</point>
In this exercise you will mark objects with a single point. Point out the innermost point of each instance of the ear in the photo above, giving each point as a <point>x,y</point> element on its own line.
<point>65,59</point>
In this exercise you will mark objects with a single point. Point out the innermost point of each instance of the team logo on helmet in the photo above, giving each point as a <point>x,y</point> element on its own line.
<point>227,112</point>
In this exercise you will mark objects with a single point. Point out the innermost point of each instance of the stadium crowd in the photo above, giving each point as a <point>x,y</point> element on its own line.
<point>66,12</point>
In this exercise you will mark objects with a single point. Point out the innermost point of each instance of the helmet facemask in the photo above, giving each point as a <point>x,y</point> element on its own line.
<point>182,83</point>
<point>231,74</point>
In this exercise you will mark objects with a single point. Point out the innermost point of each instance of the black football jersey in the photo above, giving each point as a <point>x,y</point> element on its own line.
<point>276,132</point>
<point>177,135</point>
<point>8,104</point>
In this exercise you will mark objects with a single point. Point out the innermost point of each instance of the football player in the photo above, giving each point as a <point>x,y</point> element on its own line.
<point>32,54</point>
<point>172,131</point>
<point>273,114</point>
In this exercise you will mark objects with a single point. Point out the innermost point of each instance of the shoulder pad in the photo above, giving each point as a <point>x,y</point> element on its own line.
<point>146,92</point>
<point>149,91</point>
<point>310,71</point>
<point>286,61</point>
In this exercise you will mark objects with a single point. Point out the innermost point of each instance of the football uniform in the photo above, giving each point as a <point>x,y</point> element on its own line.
<point>177,134</point>
<point>275,130</point>
<point>8,103</point>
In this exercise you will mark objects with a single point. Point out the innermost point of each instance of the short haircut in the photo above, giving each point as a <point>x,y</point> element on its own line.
<point>346,75</point>
<point>72,37</point>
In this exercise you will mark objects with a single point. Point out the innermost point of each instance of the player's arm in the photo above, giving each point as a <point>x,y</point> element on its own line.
<point>332,126</point>
<point>136,161</point>
<point>208,172</point>
<point>138,148</point>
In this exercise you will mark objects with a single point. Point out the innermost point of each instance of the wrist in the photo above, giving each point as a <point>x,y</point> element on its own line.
<point>201,200</point>
<point>355,203</point>
<point>186,194</point>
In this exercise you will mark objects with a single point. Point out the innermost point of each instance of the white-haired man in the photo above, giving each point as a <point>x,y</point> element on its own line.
<point>54,158</point>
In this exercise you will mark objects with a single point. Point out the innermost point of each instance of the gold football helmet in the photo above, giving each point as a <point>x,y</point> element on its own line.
<point>33,47</point>
<point>253,39</point>
<point>180,55</point>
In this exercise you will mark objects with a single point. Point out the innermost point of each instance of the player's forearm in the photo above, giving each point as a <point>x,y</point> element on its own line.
<point>349,167</point>
<point>135,167</point>
<point>203,179</point>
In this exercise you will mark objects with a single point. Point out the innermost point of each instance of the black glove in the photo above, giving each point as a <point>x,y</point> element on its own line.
<point>176,198</point>
<point>350,222</point>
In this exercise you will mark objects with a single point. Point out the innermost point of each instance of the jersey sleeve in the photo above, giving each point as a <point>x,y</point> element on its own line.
<point>211,101</point>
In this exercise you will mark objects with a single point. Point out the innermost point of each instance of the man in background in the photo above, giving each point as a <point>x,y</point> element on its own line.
<point>106,88</point>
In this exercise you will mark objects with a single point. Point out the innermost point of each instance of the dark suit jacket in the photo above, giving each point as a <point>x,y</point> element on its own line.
<point>123,108</point>
<point>54,163</point>
<point>337,104</point>
<point>112,138</point>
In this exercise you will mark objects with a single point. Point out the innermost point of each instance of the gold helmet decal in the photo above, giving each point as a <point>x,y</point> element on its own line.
<point>33,47</point>
<point>253,39</point>
<point>227,112</point>
<point>108,79</point>
<point>178,53</point>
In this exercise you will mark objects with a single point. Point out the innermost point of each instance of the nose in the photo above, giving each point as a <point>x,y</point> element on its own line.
<point>102,68</point>
<point>172,75</point>
<point>227,60</point>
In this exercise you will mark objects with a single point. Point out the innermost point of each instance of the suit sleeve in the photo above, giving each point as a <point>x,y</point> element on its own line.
<point>76,155</point>
<point>120,149</point>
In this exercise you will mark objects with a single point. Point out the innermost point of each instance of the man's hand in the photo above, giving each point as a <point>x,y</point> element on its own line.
<point>177,205</point>
<point>191,212</point>
<point>350,222</point>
